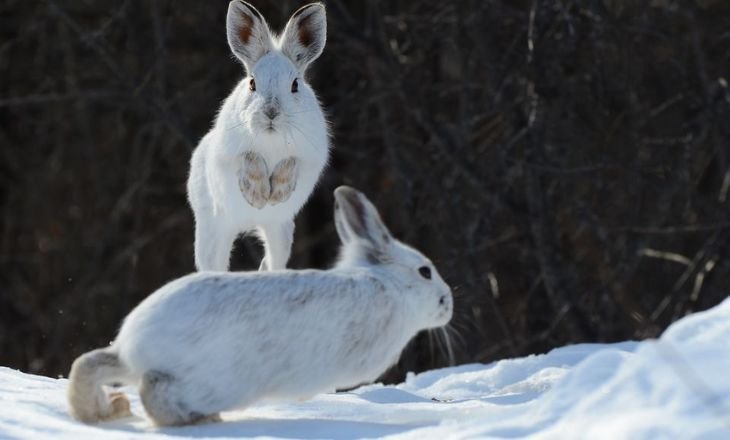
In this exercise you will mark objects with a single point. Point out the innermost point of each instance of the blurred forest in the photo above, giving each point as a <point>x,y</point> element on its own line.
<point>566,164</point>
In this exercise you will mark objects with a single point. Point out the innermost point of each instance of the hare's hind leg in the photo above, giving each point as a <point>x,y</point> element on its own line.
<point>86,396</point>
<point>277,239</point>
<point>213,242</point>
<point>165,401</point>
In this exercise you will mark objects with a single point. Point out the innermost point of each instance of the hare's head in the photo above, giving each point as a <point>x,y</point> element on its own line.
<point>367,242</point>
<point>275,93</point>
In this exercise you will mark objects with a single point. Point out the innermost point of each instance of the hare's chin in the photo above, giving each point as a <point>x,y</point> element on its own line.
<point>444,317</point>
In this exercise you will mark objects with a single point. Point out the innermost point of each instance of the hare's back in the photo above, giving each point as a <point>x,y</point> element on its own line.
<point>215,313</point>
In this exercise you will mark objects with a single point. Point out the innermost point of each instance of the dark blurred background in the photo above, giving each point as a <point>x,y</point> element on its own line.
<point>566,164</point>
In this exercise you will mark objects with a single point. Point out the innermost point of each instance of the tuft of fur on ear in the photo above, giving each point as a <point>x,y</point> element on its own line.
<point>305,35</point>
<point>248,34</point>
<point>357,219</point>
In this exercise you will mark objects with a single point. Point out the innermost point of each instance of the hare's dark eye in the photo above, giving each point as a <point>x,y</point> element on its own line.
<point>295,86</point>
<point>252,85</point>
<point>425,272</point>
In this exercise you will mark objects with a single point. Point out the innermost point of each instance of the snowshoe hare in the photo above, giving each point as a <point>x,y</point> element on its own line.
<point>215,341</point>
<point>257,166</point>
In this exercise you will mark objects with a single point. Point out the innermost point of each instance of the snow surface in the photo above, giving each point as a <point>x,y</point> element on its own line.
<point>677,387</point>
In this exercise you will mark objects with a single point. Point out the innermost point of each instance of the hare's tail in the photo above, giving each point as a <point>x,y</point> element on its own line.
<point>87,398</point>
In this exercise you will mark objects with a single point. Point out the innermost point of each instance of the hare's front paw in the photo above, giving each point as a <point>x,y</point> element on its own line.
<point>253,179</point>
<point>283,180</point>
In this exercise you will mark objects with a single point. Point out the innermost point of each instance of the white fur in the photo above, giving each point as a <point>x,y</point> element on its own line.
<point>300,131</point>
<point>227,340</point>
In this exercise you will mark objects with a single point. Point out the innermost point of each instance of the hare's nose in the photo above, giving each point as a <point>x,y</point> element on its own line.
<point>271,113</point>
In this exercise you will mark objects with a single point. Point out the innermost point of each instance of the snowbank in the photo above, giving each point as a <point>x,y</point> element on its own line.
<point>675,387</point>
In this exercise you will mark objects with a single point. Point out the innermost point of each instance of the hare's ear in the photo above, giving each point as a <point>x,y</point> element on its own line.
<point>305,34</point>
<point>248,34</point>
<point>357,219</point>
<point>341,225</point>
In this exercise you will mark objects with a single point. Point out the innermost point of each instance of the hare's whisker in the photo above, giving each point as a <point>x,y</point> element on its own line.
<point>311,144</point>
<point>235,126</point>
<point>447,342</point>
<point>454,332</point>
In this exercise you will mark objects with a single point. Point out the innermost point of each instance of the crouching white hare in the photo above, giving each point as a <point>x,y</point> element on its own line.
<point>210,342</point>
<point>259,163</point>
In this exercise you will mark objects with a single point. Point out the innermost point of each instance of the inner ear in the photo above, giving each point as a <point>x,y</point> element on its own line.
<point>248,33</point>
<point>356,217</point>
<point>340,224</point>
<point>245,29</point>
<point>305,35</point>
<point>305,32</point>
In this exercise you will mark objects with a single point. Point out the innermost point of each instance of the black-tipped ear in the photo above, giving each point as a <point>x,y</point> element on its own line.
<point>357,218</point>
<point>305,35</point>
<point>248,34</point>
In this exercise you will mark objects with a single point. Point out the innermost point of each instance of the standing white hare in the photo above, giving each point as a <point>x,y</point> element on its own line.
<point>210,342</point>
<point>257,166</point>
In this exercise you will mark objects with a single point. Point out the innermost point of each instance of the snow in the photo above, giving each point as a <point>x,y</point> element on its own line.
<point>673,387</point>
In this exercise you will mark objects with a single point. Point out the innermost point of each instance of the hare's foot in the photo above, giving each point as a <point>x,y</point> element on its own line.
<point>120,406</point>
<point>167,401</point>
<point>253,180</point>
<point>202,420</point>
<point>283,180</point>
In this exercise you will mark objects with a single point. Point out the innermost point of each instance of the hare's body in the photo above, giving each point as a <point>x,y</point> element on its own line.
<point>215,341</point>
<point>259,163</point>
<point>258,355</point>
<point>222,213</point>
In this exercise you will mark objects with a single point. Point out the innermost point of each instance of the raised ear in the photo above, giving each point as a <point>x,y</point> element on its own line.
<point>340,224</point>
<point>248,34</point>
<point>357,218</point>
<point>305,35</point>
